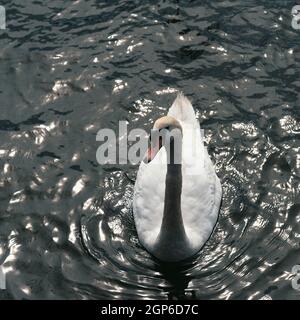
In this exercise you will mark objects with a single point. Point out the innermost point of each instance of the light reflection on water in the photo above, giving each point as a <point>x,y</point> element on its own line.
<point>66,226</point>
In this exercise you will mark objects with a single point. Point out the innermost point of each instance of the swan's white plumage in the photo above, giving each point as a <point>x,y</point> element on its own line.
<point>201,188</point>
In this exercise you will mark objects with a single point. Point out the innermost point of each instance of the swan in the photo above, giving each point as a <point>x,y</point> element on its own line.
<point>177,193</point>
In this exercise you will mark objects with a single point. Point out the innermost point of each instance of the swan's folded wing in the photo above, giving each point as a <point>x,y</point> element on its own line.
<point>149,193</point>
<point>201,197</point>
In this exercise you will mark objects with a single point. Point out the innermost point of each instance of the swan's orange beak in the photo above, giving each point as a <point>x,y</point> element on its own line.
<point>151,153</point>
<point>153,150</point>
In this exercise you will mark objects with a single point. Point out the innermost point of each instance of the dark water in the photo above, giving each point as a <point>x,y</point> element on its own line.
<point>70,68</point>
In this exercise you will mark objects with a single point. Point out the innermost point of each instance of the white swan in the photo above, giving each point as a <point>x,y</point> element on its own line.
<point>176,204</point>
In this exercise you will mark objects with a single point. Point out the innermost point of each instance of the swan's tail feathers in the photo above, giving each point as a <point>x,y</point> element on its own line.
<point>182,109</point>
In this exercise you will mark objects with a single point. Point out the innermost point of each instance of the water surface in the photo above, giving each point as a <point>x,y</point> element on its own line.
<point>70,68</point>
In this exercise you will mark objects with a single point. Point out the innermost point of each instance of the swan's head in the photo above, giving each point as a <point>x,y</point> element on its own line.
<point>165,130</point>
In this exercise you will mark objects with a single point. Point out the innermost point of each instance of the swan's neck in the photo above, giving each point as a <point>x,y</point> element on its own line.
<point>172,238</point>
<point>172,222</point>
